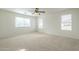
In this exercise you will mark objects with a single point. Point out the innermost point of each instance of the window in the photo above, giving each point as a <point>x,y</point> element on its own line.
<point>22,22</point>
<point>40,23</point>
<point>66,22</point>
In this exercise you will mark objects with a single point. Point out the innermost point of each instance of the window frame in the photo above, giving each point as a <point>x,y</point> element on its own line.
<point>23,25</point>
<point>40,23</point>
<point>66,22</point>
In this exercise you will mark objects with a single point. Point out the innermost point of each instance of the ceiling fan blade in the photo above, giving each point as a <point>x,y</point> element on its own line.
<point>41,11</point>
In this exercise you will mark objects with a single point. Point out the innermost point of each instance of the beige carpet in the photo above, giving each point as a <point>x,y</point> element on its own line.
<point>39,42</point>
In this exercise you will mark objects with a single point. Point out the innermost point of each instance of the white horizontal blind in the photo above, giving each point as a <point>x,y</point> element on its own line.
<point>66,22</point>
<point>40,23</point>
<point>22,22</point>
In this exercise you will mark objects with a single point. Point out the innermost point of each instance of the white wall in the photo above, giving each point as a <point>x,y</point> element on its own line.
<point>51,23</point>
<point>7,24</point>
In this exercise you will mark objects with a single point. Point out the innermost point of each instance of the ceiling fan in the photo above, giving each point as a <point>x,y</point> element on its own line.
<point>38,11</point>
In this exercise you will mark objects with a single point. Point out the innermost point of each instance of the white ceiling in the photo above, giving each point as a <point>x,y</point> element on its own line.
<point>29,11</point>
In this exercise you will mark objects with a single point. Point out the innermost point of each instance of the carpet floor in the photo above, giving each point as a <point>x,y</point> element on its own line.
<point>39,42</point>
